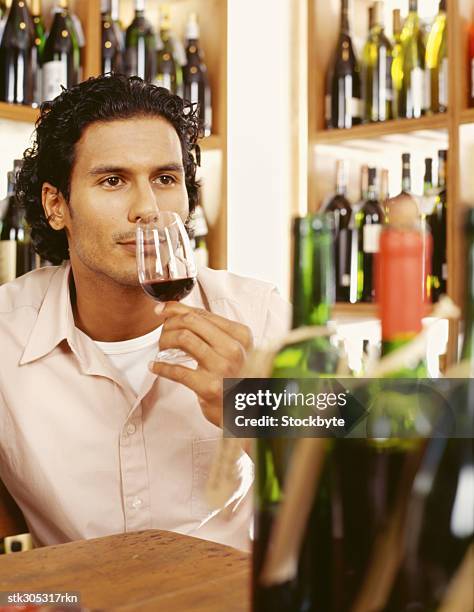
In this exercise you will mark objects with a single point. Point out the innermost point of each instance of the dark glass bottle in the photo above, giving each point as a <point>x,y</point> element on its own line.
<point>16,252</point>
<point>340,209</point>
<point>62,54</point>
<point>313,297</point>
<point>38,49</point>
<point>343,91</point>
<point>369,220</point>
<point>140,46</point>
<point>195,77</point>
<point>112,41</point>
<point>437,221</point>
<point>16,69</point>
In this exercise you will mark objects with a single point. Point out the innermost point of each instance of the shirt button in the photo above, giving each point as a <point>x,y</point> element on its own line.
<point>131,429</point>
<point>136,503</point>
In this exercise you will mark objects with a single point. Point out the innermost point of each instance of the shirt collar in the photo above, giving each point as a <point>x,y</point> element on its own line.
<point>55,321</point>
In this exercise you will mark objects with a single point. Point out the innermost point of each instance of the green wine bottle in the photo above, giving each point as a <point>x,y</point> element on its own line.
<point>168,71</point>
<point>112,39</point>
<point>313,296</point>
<point>437,221</point>
<point>376,75</point>
<point>37,50</point>
<point>467,352</point>
<point>437,64</point>
<point>413,50</point>
<point>397,65</point>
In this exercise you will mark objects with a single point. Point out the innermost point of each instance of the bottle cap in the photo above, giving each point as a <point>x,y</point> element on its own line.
<point>192,27</point>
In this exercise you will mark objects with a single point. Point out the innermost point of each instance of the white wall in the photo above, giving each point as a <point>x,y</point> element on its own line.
<point>259,176</point>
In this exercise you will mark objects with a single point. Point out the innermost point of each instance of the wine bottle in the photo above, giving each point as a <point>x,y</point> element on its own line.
<point>376,75</point>
<point>168,72</point>
<point>16,252</point>
<point>140,46</point>
<point>437,221</point>
<point>199,230</point>
<point>413,50</point>
<point>426,204</point>
<point>355,231</point>
<point>112,40</point>
<point>343,95</point>
<point>369,220</point>
<point>62,54</point>
<point>436,72</point>
<point>397,65</point>
<point>195,77</point>
<point>37,50</point>
<point>340,209</point>
<point>16,70</point>
<point>313,296</point>
<point>439,518</point>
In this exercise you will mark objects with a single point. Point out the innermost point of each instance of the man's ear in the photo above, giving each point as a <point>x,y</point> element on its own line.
<point>54,206</point>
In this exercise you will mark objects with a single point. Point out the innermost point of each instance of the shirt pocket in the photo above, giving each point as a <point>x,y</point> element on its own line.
<point>204,453</point>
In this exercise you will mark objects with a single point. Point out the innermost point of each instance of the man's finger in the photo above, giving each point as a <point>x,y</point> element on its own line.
<point>192,344</point>
<point>206,386</point>
<point>236,330</point>
<point>223,347</point>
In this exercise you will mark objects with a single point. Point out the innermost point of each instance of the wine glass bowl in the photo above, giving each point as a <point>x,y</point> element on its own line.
<point>165,264</point>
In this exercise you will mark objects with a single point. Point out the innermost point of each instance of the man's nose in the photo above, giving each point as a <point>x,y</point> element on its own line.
<point>144,203</point>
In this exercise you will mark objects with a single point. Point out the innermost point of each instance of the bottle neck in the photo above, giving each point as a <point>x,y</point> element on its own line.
<point>345,17</point>
<point>406,177</point>
<point>442,6</point>
<point>139,6</point>
<point>468,344</point>
<point>313,282</point>
<point>441,173</point>
<point>427,179</point>
<point>413,6</point>
<point>36,8</point>
<point>341,181</point>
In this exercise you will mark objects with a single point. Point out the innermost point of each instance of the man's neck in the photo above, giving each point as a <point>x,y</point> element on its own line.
<point>109,312</point>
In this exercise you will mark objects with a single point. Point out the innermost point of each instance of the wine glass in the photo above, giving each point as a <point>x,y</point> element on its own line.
<point>166,266</point>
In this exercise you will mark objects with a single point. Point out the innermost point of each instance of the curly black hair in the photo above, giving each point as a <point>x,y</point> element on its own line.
<point>61,124</point>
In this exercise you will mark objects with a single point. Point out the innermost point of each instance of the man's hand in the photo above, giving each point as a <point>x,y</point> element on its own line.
<point>217,344</point>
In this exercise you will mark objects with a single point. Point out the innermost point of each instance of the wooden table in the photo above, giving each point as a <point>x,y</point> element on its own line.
<point>147,571</point>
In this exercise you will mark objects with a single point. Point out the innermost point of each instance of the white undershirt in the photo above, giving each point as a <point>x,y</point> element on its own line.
<point>131,357</point>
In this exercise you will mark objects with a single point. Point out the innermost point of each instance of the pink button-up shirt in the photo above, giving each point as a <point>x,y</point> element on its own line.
<point>80,452</point>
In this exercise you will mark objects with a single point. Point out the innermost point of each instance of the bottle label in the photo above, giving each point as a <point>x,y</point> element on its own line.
<point>443,83</point>
<point>346,280</point>
<point>371,237</point>
<point>54,75</point>
<point>7,261</point>
<point>416,92</point>
<point>356,108</point>
<point>444,271</point>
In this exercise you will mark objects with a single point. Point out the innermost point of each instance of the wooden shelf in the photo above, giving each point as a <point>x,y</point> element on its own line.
<point>18,112</point>
<point>379,130</point>
<point>467,115</point>
<point>346,310</point>
<point>211,143</point>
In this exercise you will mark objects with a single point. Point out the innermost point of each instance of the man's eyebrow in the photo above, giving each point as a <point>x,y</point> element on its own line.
<point>97,170</point>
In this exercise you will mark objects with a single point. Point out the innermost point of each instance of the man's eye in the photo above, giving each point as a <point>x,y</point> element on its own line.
<point>111,181</point>
<point>166,179</point>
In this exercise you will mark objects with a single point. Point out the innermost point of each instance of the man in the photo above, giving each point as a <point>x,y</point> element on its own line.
<point>92,442</point>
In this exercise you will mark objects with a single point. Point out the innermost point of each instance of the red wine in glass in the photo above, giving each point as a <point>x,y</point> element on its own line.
<point>169,290</point>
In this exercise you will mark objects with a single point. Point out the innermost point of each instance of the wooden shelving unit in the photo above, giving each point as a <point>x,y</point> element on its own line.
<point>385,140</point>
<point>213,23</point>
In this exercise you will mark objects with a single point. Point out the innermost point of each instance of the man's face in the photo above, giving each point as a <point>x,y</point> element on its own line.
<point>124,170</point>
